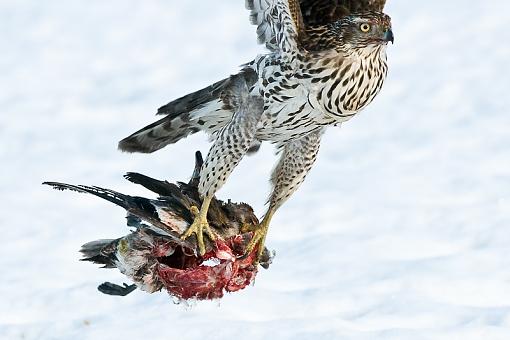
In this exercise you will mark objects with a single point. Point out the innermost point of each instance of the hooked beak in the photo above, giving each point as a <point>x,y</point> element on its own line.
<point>388,36</point>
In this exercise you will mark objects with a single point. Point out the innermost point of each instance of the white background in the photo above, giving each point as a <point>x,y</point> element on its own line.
<point>401,230</point>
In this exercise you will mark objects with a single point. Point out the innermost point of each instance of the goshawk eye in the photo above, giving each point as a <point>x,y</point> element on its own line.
<point>364,28</point>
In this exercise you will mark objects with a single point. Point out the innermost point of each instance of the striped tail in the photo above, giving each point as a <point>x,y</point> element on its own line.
<point>205,110</point>
<point>182,119</point>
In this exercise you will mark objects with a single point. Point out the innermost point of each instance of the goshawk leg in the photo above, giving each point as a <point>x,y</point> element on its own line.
<point>230,145</point>
<point>297,158</point>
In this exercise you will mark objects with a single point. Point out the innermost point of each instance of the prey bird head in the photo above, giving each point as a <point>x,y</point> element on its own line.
<point>361,30</point>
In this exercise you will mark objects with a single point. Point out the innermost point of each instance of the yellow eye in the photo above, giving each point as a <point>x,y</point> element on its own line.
<point>364,28</point>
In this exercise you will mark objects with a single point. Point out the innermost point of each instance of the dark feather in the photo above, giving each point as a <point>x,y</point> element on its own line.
<point>117,198</point>
<point>195,177</point>
<point>116,290</point>
<point>193,101</point>
<point>162,188</point>
<point>179,121</point>
<point>125,201</point>
<point>139,207</point>
<point>196,100</point>
<point>321,12</point>
<point>175,125</point>
<point>226,218</point>
<point>100,252</point>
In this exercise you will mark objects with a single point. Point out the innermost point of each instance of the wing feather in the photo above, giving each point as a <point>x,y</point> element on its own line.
<point>279,24</point>
<point>320,12</point>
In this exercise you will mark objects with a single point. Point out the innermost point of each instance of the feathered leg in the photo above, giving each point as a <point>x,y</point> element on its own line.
<point>230,145</point>
<point>295,162</point>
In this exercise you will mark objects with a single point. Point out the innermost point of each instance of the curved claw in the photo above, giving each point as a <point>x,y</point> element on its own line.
<point>258,239</point>
<point>198,227</point>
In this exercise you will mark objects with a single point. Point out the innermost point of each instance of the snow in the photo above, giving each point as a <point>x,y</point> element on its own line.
<point>400,231</point>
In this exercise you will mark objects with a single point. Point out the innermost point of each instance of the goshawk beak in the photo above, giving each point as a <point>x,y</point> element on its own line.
<point>388,36</point>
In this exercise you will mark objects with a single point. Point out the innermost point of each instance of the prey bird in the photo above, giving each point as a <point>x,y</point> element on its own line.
<point>326,62</point>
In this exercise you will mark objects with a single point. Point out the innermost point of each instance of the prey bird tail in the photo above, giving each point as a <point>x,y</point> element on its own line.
<point>104,252</point>
<point>162,188</point>
<point>141,209</point>
<point>100,252</point>
<point>124,201</point>
<point>139,206</point>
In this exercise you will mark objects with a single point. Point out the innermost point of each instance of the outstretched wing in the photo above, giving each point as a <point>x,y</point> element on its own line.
<point>279,24</point>
<point>320,12</point>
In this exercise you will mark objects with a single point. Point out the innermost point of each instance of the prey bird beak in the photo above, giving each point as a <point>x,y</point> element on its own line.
<point>388,36</point>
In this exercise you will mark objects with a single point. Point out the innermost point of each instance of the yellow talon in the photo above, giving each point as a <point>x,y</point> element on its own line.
<point>199,226</point>
<point>259,237</point>
<point>123,247</point>
<point>194,211</point>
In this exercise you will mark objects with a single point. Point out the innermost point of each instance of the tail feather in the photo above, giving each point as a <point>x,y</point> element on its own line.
<point>124,201</point>
<point>162,188</point>
<point>139,206</point>
<point>100,252</point>
<point>184,116</point>
<point>193,101</point>
<point>203,110</point>
<point>159,134</point>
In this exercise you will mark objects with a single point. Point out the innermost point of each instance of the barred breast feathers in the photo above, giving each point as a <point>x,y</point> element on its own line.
<point>344,81</point>
<point>328,83</point>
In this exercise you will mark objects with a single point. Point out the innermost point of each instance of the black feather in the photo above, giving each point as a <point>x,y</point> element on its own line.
<point>162,188</point>
<point>107,194</point>
<point>100,252</point>
<point>321,12</point>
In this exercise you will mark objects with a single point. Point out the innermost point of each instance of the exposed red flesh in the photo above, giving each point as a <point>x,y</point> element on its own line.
<point>187,277</point>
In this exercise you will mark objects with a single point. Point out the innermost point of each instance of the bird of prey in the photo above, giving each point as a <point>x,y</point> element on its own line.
<point>326,62</point>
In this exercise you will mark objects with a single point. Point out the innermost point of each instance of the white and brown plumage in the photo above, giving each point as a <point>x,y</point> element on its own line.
<point>327,62</point>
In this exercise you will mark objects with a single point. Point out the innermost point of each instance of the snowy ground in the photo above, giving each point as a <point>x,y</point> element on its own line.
<point>401,230</point>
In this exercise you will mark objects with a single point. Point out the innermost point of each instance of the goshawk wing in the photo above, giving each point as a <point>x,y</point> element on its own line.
<point>320,12</point>
<point>281,24</point>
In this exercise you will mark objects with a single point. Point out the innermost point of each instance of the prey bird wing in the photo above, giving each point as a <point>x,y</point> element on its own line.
<point>320,12</point>
<point>155,212</point>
